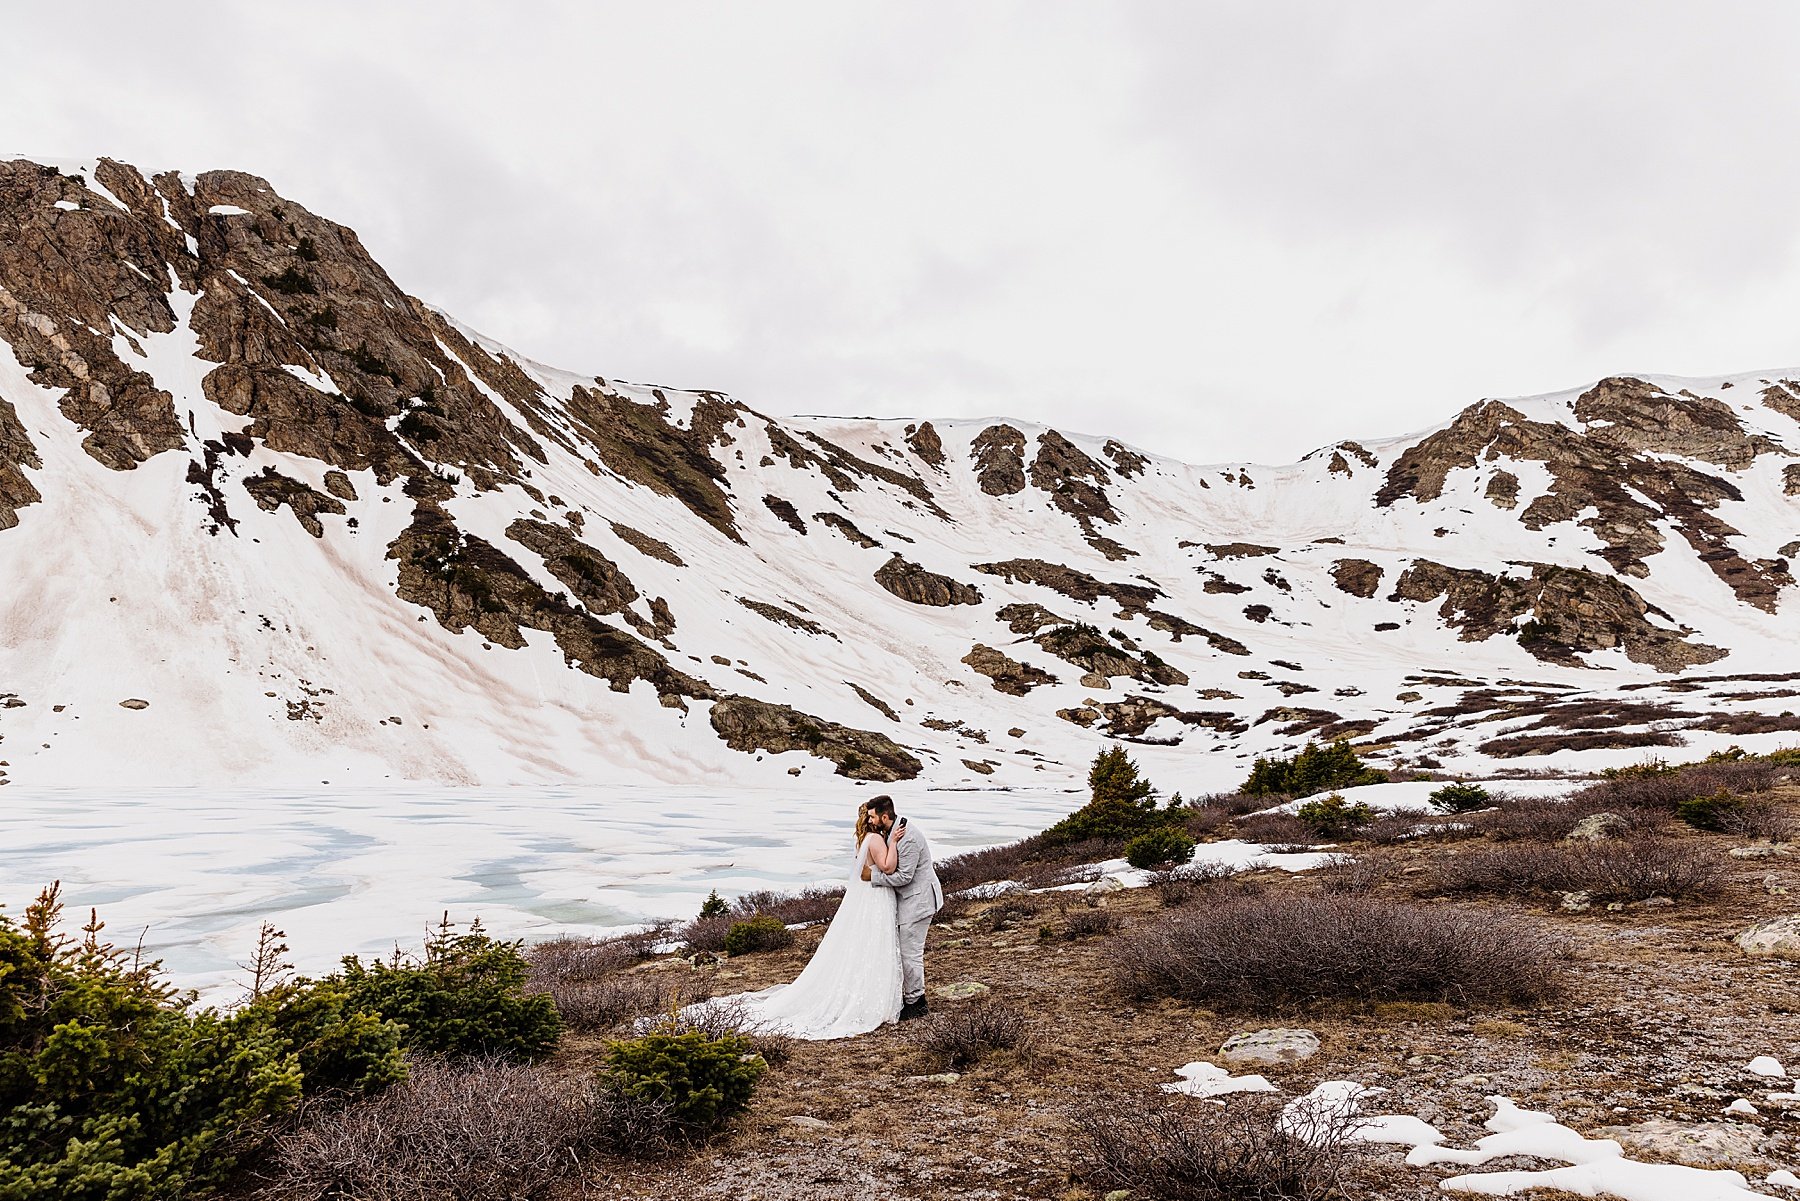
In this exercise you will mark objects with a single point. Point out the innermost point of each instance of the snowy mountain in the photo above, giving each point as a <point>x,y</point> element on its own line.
<point>266,519</point>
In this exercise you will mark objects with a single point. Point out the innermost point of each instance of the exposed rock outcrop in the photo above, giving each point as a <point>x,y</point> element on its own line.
<point>1131,718</point>
<point>1077,585</point>
<point>911,582</point>
<point>644,544</point>
<point>1075,480</point>
<point>1008,675</point>
<point>1565,612</point>
<point>16,454</point>
<point>591,577</point>
<point>786,617</point>
<point>1638,416</point>
<point>925,443</point>
<point>999,454</point>
<point>847,528</point>
<point>752,725</point>
<point>1622,496</point>
<point>785,510</point>
<point>468,583</point>
<point>1358,577</point>
<point>272,490</point>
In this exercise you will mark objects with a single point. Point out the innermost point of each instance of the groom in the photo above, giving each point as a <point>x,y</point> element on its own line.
<point>919,894</point>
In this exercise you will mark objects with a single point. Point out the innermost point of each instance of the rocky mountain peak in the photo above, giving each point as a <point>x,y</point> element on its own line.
<point>323,530</point>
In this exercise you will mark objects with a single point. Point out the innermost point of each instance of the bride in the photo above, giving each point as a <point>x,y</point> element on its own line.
<point>852,984</point>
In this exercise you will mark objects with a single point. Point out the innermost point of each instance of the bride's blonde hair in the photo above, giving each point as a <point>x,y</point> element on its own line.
<point>862,822</point>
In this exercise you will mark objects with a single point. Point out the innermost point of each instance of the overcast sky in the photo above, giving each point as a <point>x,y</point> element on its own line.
<point>1216,230</point>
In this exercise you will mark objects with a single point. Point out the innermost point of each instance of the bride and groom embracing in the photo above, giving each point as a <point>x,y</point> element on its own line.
<point>869,969</point>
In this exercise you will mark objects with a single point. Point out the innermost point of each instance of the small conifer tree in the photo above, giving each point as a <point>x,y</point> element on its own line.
<point>1122,805</point>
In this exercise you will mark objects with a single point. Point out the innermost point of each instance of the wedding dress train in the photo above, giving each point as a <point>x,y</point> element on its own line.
<point>852,983</point>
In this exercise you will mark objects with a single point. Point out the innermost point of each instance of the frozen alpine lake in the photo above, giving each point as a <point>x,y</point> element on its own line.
<point>343,871</point>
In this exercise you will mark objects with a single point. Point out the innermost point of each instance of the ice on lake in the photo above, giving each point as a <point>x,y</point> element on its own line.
<point>355,872</point>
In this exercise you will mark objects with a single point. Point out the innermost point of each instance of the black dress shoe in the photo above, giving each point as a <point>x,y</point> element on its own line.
<point>914,1009</point>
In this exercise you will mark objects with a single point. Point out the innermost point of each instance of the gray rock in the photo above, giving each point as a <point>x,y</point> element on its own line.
<point>1596,826</point>
<point>938,1078</point>
<point>810,1123</point>
<point>134,703</point>
<point>1706,1145</point>
<point>1759,850</point>
<point>1577,902</point>
<point>1778,937</point>
<point>1104,885</point>
<point>1272,1047</point>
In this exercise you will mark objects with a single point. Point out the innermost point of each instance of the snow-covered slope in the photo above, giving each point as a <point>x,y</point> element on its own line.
<point>265,519</point>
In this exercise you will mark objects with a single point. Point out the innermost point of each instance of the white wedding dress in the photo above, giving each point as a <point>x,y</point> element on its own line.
<point>852,983</point>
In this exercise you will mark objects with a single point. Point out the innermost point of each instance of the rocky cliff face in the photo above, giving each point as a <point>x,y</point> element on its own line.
<point>323,531</point>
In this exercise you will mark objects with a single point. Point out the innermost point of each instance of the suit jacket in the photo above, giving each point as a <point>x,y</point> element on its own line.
<point>913,879</point>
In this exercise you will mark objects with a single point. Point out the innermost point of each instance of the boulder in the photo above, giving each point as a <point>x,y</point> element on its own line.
<point>1596,826</point>
<point>1778,937</point>
<point>1275,1047</point>
<point>1705,1145</point>
<point>1577,902</point>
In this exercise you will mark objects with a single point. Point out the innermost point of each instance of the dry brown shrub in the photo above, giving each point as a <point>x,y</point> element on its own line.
<point>476,1128</point>
<point>1762,818</point>
<point>1183,885</point>
<point>1275,829</point>
<point>723,1017</point>
<point>1356,876</point>
<point>955,1038</point>
<point>1624,869</point>
<point>806,907</point>
<point>1085,922</point>
<point>595,1005</point>
<point>1234,1151</point>
<point>1008,911</point>
<point>1283,948</point>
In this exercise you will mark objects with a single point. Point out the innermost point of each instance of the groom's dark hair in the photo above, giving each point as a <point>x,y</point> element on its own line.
<point>883,805</point>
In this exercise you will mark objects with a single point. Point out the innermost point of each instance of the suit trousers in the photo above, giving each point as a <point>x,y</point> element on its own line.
<point>912,958</point>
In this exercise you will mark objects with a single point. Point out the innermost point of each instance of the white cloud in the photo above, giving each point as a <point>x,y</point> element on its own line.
<point>1219,230</point>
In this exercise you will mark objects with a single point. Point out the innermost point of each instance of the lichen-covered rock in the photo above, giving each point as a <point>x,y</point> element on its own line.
<point>1275,1046</point>
<point>911,582</point>
<point>1777,937</point>
<point>1598,826</point>
<point>1698,1145</point>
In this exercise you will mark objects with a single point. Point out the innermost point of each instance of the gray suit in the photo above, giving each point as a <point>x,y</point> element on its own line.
<point>915,883</point>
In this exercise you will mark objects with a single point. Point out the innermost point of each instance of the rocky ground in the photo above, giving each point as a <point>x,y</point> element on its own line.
<point>1661,1015</point>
